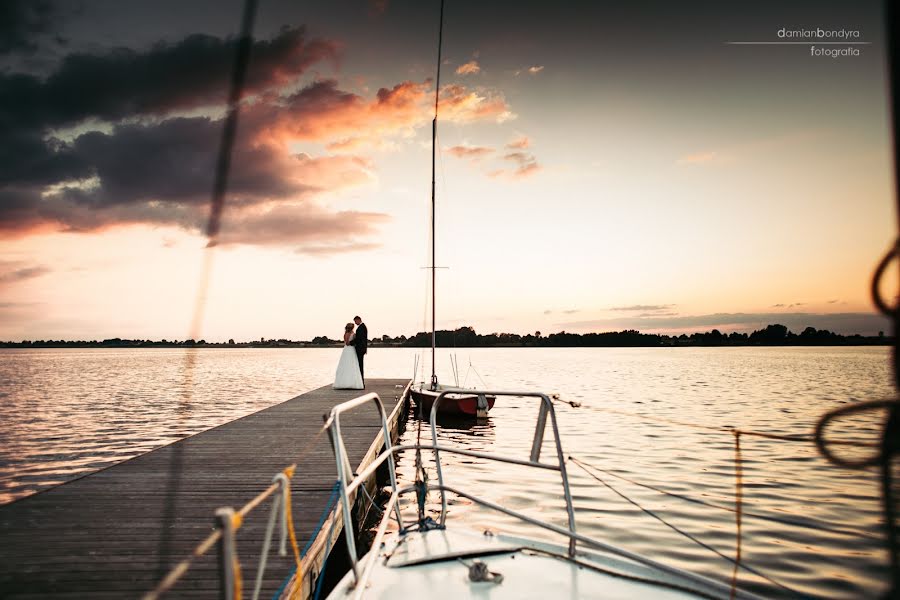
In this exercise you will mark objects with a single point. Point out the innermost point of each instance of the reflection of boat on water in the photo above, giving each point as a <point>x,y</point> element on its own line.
<point>424,395</point>
<point>452,562</point>
<point>454,426</point>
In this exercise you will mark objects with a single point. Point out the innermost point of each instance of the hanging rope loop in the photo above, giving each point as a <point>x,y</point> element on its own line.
<point>824,445</point>
<point>880,302</point>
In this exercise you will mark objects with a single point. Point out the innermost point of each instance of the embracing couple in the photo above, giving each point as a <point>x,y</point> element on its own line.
<point>349,374</point>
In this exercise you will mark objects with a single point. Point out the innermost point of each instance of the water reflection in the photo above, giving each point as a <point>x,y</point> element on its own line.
<point>64,413</point>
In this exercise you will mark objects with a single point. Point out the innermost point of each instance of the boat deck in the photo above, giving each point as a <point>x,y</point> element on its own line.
<point>117,532</point>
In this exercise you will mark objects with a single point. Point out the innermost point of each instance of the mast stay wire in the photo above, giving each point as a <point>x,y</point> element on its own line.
<point>213,226</point>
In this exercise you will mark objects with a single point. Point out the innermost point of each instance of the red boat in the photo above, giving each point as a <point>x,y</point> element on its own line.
<point>464,404</point>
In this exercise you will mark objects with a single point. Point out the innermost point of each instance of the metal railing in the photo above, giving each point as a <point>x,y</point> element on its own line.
<point>348,486</point>
<point>393,502</point>
<point>534,459</point>
<point>228,522</point>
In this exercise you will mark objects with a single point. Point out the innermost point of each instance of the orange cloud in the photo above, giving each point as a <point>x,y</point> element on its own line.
<point>469,68</point>
<point>333,172</point>
<point>307,227</point>
<point>519,143</point>
<point>463,105</point>
<point>473,152</point>
<point>526,165</point>
<point>530,70</point>
<point>321,112</point>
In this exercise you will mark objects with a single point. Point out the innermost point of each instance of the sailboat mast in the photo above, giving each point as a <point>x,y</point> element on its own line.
<point>437,89</point>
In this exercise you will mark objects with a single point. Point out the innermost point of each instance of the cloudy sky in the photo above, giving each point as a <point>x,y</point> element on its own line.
<point>602,165</point>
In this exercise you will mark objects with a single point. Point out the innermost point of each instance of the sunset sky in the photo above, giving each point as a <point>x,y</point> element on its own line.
<point>602,166</point>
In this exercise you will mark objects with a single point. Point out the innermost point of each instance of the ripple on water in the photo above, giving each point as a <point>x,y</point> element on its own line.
<point>646,416</point>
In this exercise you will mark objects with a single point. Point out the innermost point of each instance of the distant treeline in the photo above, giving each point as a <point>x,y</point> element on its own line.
<point>772,335</point>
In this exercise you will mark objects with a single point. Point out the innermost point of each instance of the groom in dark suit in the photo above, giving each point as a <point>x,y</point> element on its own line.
<point>361,343</point>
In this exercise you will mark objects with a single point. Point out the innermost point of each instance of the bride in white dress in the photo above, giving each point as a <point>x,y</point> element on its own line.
<point>347,376</point>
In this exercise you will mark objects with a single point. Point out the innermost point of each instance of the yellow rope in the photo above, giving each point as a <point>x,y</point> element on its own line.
<point>289,517</point>
<point>238,582</point>
<point>181,568</point>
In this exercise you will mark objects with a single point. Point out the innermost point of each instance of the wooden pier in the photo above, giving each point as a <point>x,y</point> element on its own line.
<point>117,532</point>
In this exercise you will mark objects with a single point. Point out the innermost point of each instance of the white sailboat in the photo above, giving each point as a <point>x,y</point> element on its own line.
<point>437,558</point>
<point>424,394</point>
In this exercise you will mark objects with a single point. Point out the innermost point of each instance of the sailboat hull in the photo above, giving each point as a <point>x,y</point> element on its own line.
<point>451,404</point>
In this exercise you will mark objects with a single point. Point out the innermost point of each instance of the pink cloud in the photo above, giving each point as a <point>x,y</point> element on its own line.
<point>473,152</point>
<point>525,165</point>
<point>469,68</point>
<point>519,143</point>
<point>307,227</point>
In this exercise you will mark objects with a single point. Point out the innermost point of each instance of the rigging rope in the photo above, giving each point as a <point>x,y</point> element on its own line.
<point>738,507</point>
<point>747,432</point>
<point>680,531</point>
<point>816,526</point>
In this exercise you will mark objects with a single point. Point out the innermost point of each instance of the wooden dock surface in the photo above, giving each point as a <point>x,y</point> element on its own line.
<point>116,533</point>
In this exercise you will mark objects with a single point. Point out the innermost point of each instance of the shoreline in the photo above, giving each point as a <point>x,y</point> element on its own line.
<point>886,342</point>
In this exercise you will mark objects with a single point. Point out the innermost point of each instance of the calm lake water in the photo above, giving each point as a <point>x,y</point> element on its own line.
<point>809,527</point>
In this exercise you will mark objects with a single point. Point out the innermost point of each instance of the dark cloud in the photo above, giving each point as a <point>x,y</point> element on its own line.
<point>139,172</point>
<point>843,323</point>
<point>571,311</point>
<point>20,209</point>
<point>104,140</point>
<point>124,83</point>
<point>377,7</point>
<point>162,174</point>
<point>21,21</point>
<point>643,307</point>
<point>28,158</point>
<point>173,161</point>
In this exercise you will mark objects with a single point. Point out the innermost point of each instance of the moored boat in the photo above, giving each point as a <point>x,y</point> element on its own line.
<point>472,404</point>
<point>454,562</point>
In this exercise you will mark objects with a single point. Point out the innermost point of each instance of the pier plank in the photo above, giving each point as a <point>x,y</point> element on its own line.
<point>117,532</point>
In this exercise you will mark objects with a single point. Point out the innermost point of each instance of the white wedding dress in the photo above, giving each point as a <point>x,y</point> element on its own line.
<point>347,376</point>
